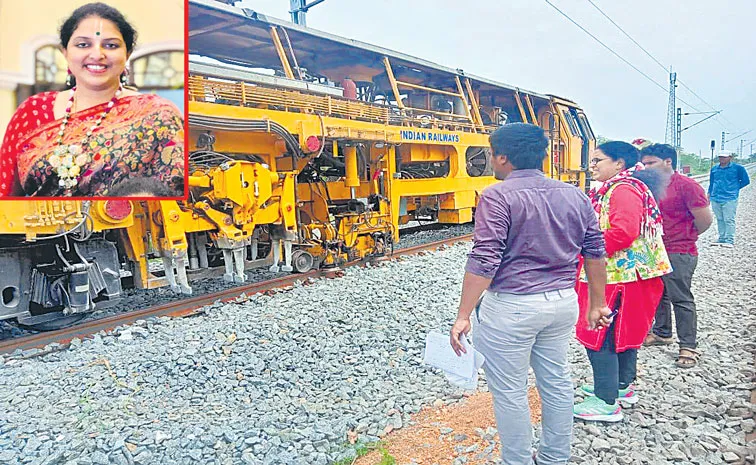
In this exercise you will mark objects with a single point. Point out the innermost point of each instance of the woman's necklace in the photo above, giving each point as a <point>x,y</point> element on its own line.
<point>68,160</point>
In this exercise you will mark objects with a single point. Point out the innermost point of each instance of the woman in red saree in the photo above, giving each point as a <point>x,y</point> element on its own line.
<point>86,141</point>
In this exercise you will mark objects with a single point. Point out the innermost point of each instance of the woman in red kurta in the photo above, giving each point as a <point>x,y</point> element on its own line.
<point>629,217</point>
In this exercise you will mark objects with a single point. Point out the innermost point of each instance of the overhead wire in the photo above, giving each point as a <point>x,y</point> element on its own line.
<point>660,86</point>
<point>658,63</point>
<point>628,35</point>
<point>610,49</point>
<point>739,135</point>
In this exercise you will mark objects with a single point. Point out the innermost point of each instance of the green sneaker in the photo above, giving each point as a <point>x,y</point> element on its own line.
<point>595,409</point>
<point>626,395</point>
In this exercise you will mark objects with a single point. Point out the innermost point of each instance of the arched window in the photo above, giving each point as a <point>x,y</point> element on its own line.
<point>161,73</point>
<point>50,69</point>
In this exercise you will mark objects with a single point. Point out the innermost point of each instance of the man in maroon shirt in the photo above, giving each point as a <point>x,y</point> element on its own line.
<point>686,214</point>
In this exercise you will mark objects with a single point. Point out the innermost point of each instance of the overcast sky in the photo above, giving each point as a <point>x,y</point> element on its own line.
<point>526,43</point>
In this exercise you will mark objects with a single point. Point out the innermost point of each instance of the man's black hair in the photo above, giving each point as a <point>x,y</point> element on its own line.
<point>663,151</point>
<point>523,144</point>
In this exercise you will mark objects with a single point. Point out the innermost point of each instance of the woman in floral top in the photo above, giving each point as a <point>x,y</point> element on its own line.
<point>629,217</point>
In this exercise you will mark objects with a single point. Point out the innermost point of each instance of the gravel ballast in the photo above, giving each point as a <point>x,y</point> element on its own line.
<point>283,378</point>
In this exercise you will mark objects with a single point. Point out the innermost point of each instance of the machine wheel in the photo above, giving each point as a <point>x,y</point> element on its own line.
<point>55,324</point>
<point>302,261</point>
<point>477,162</point>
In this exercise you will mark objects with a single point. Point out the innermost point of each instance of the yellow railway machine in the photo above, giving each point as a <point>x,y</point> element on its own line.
<point>305,150</point>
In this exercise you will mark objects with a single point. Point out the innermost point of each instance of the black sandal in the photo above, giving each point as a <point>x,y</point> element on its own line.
<point>689,359</point>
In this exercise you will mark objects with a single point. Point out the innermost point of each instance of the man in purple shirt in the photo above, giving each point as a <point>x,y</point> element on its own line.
<point>529,232</point>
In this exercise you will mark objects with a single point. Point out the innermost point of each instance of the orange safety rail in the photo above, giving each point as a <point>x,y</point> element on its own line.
<point>243,94</point>
<point>202,89</point>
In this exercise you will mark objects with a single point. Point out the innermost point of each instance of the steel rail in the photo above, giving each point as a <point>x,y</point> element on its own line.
<point>191,306</point>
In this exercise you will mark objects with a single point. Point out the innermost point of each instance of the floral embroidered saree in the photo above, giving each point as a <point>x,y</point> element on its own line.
<point>141,137</point>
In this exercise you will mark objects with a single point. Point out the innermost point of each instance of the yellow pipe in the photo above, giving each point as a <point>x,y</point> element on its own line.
<point>281,53</point>
<point>350,160</point>
<point>199,181</point>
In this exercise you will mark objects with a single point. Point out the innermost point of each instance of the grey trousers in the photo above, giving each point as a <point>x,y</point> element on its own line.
<point>517,331</point>
<point>677,295</point>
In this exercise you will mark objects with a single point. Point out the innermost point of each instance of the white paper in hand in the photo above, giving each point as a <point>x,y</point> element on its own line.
<point>468,383</point>
<point>439,354</point>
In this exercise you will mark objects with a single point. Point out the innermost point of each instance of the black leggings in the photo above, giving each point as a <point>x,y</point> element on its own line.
<point>612,371</point>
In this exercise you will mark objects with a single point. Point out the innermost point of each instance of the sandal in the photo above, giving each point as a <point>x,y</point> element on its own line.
<point>688,358</point>
<point>654,340</point>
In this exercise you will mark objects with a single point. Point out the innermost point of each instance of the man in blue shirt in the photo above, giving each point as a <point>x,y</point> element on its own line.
<point>725,181</point>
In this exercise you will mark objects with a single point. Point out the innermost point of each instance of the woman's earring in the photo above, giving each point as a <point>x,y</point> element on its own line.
<point>125,76</point>
<point>69,79</point>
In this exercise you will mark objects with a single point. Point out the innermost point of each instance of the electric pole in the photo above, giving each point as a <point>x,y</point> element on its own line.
<point>299,10</point>
<point>671,133</point>
<point>678,132</point>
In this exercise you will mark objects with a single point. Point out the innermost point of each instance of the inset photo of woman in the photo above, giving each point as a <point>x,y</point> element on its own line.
<point>92,99</point>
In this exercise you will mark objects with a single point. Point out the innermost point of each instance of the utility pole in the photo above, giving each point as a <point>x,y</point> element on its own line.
<point>721,148</point>
<point>678,131</point>
<point>741,147</point>
<point>670,133</point>
<point>299,10</point>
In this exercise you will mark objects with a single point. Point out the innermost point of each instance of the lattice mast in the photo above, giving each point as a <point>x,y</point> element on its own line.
<point>670,135</point>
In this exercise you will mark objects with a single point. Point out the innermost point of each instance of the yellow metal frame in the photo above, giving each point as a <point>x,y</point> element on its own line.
<point>534,120</point>
<point>393,82</point>
<point>35,218</point>
<point>473,103</point>
<point>460,94</point>
<point>520,107</point>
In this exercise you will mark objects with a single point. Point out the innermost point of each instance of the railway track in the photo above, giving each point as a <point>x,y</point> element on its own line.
<point>190,306</point>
